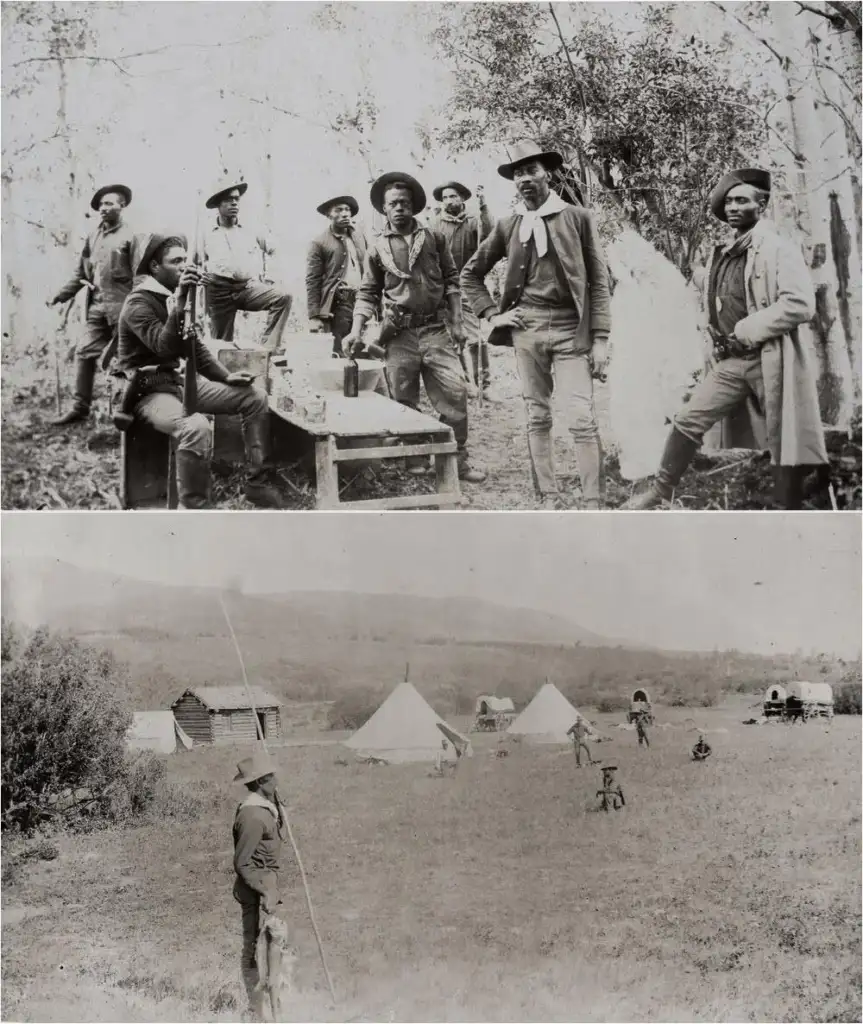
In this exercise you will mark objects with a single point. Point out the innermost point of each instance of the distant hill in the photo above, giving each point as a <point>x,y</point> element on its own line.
<point>85,601</point>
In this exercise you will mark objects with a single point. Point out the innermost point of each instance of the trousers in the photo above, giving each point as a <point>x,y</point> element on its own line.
<point>225,297</point>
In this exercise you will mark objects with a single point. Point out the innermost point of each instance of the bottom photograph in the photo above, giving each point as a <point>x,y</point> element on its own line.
<point>424,767</point>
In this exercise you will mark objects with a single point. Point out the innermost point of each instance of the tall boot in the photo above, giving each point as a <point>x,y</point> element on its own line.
<point>193,480</point>
<point>85,377</point>
<point>588,459</point>
<point>256,998</point>
<point>482,373</point>
<point>679,452</point>
<point>259,490</point>
<point>542,459</point>
<point>788,487</point>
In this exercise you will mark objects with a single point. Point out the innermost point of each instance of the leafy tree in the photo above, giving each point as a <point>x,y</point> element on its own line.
<point>63,726</point>
<point>650,117</point>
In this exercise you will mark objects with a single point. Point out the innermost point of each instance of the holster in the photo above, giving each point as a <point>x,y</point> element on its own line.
<point>138,383</point>
<point>396,320</point>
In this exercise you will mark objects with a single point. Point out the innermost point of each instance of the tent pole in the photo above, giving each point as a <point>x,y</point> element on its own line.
<point>282,808</point>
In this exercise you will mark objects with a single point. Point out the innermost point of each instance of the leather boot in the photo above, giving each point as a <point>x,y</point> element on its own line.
<point>85,377</point>
<point>256,998</point>
<point>542,459</point>
<point>482,374</point>
<point>193,480</point>
<point>259,490</point>
<point>470,474</point>
<point>588,460</point>
<point>788,487</point>
<point>679,452</point>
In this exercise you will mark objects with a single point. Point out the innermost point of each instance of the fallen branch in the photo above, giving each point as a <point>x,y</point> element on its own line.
<point>728,465</point>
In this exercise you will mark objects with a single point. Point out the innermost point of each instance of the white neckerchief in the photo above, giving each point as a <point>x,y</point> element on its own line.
<point>533,224</point>
<point>256,800</point>
<point>150,284</point>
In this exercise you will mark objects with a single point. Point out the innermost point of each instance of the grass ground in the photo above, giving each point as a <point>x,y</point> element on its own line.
<point>79,466</point>
<point>728,890</point>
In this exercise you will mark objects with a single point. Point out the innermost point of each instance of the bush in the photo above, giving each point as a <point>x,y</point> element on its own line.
<point>353,709</point>
<point>63,727</point>
<point>847,700</point>
<point>609,704</point>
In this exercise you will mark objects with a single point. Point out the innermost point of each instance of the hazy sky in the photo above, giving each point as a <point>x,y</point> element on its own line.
<point>755,581</point>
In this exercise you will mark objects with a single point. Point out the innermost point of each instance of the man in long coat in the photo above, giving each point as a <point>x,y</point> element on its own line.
<point>105,269</point>
<point>758,297</point>
<point>334,271</point>
<point>554,311</point>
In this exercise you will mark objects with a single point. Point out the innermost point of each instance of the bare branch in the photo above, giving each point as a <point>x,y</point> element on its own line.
<point>836,20</point>
<point>849,14</point>
<point>782,60</point>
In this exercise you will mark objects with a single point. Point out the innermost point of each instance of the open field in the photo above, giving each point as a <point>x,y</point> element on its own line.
<point>728,890</point>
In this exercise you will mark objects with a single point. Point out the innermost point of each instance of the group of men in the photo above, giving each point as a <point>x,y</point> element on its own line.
<point>426,283</point>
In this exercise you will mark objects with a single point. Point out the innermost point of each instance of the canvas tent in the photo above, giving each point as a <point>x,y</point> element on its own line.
<point>547,717</point>
<point>157,730</point>
<point>404,728</point>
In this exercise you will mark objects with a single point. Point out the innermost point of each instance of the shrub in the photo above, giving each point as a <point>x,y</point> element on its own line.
<point>63,727</point>
<point>353,709</point>
<point>847,700</point>
<point>609,703</point>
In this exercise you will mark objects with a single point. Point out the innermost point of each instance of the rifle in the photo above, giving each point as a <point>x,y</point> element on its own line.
<point>192,332</point>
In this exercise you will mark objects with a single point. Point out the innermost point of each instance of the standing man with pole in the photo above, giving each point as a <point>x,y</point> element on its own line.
<point>554,310</point>
<point>235,257</point>
<point>464,234</point>
<point>334,271</point>
<point>105,269</point>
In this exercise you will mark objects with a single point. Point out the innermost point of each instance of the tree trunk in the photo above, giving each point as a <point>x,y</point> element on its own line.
<point>811,196</point>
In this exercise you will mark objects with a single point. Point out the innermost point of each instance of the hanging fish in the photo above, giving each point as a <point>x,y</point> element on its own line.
<point>275,959</point>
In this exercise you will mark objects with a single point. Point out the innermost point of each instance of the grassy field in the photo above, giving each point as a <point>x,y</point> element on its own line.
<point>728,890</point>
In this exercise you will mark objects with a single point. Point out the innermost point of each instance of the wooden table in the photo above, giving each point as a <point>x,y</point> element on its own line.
<point>377,419</point>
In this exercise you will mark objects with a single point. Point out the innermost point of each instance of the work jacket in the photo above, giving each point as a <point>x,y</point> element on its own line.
<point>106,263</point>
<point>326,266</point>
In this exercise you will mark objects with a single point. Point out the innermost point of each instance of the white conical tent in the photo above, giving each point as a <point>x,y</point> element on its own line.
<point>547,717</point>
<point>404,728</point>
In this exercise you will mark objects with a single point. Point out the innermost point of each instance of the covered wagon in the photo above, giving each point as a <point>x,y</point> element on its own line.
<point>640,707</point>
<point>809,700</point>
<point>493,714</point>
<point>773,704</point>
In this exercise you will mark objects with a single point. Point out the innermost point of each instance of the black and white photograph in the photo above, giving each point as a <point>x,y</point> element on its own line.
<point>562,768</point>
<point>520,256</point>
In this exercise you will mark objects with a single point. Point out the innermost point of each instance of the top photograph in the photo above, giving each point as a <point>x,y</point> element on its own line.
<point>492,256</point>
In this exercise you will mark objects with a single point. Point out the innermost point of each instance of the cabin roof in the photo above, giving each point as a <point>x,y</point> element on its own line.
<point>231,698</point>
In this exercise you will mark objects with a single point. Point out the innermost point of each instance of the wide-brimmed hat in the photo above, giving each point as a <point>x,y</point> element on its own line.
<point>391,177</point>
<point>147,244</point>
<point>255,767</point>
<point>221,189</point>
<point>523,152</point>
<point>742,176</point>
<point>324,208</point>
<point>122,190</point>
<point>462,190</point>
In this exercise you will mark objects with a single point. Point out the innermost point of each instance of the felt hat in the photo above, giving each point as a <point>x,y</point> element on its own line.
<point>147,245</point>
<point>122,190</point>
<point>379,187</point>
<point>522,153</point>
<point>324,208</point>
<point>742,176</point>
<point>223,187</point>
<point>462,190</point>
<point>255,767</point>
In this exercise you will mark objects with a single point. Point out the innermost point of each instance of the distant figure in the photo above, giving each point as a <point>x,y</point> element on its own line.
<point>641,729</point>
<point>702,749</point>
<point>611,795</point>
<point>578,732</point>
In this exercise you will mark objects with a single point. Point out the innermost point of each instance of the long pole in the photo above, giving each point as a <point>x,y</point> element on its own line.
<point>282,808</point>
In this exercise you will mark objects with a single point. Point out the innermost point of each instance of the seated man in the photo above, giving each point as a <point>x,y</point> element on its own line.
<point>151,334</point>
<point>702,749</point>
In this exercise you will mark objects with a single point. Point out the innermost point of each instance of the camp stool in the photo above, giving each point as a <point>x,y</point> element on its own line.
<point>148,477</point>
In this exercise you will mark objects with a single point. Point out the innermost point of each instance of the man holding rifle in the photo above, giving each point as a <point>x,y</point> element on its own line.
<point>258,833</point>
<point>151,344</point>
<point>464,234</point>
